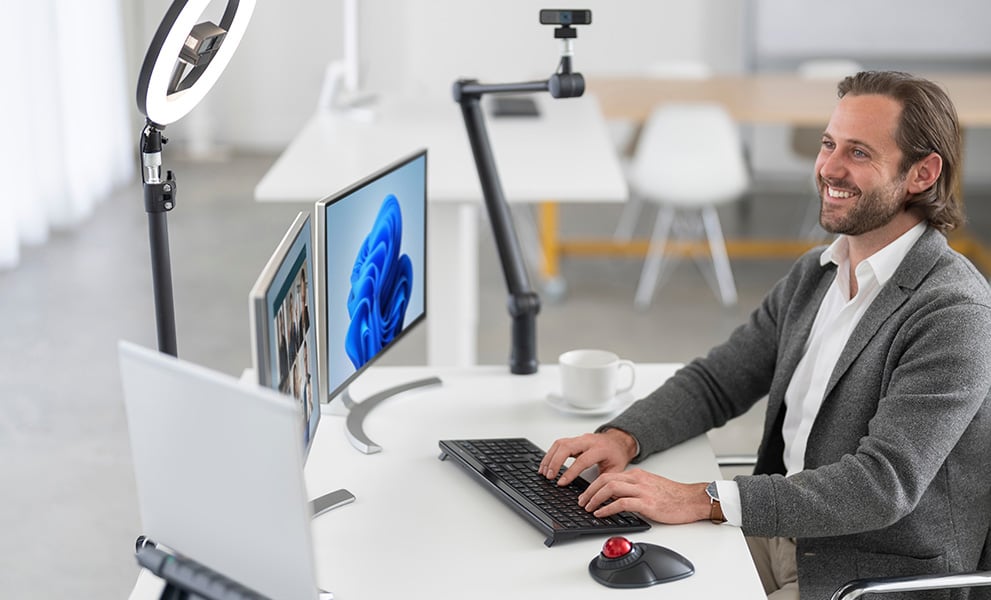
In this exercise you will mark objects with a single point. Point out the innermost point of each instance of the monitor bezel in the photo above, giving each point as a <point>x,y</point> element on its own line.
<point>260,318</point>
<point>328,395</point>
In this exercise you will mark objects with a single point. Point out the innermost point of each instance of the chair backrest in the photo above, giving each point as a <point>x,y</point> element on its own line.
<point>690,154</point>
<point>624,132</point>
<point>828,68</point>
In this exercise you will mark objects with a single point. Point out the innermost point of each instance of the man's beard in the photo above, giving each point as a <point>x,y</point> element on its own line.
<point>871,210</point>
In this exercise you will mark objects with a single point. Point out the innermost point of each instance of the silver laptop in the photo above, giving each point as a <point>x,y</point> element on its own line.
<point>219,470</point>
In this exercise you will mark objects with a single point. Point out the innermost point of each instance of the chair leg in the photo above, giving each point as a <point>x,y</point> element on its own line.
<point>628,218</point>
<point>720,260</point>
<point>655,257</point>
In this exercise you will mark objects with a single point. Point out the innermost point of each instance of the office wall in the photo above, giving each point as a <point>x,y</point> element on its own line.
<point>882,30</point>
<point>449,39</point>
<point>421,47</point>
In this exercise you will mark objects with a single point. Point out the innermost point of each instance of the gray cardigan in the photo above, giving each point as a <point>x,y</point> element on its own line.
<point>898,462</point>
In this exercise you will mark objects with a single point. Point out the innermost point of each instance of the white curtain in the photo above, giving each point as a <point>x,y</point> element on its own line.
<point>64,104</point>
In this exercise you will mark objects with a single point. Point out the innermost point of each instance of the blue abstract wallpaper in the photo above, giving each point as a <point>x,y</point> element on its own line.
<point>375,267</point>
<point>380,286</point>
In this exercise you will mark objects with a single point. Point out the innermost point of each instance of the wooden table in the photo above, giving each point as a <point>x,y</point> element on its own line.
<point>777,99</point>
<point>770,98</point>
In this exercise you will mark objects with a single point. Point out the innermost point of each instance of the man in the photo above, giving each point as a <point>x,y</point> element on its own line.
<point>875,357</point>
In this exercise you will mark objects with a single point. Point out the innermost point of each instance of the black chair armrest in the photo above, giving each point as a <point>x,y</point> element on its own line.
<point>736,460</point>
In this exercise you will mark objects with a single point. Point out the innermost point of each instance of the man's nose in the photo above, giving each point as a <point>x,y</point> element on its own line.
<point>831,166</point>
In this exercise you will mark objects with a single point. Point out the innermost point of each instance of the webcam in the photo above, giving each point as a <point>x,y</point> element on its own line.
<point>565,17</point>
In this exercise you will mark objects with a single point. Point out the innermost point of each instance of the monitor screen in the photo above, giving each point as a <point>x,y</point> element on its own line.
<point>283,324</point>
<point>372,247</point>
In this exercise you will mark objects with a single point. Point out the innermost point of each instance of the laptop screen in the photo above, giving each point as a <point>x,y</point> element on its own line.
<point>219,470</point>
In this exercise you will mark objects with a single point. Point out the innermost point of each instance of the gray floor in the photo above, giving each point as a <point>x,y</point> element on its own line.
<point>69,515</point>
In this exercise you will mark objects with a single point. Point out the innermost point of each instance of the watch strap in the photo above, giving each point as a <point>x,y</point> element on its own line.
<point>715,508</point>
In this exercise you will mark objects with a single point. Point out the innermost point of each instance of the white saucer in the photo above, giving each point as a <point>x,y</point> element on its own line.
<point>618,402</point>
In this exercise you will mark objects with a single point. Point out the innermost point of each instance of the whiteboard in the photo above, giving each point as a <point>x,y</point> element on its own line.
<point>918,29</point>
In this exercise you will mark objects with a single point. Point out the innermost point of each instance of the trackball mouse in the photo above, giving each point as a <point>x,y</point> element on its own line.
<point>624,564</point>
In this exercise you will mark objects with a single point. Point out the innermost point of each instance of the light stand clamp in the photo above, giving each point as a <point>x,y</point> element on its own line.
<point>523,303</point>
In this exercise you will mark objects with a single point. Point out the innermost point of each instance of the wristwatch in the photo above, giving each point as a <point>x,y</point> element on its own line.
<point>715,509</point>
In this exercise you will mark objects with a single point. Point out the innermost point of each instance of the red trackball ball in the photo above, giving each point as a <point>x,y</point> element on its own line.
<point>616,547</point>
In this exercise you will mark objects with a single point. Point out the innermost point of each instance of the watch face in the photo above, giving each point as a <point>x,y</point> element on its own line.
<point>712,490</point>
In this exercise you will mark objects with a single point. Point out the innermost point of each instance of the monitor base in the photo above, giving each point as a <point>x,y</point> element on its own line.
<point>330,501</point>
<point>357,411</point>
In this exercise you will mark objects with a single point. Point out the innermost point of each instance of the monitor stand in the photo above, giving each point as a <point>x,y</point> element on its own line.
<point>357,411</point>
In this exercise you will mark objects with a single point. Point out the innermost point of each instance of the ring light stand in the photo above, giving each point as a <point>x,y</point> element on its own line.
<point>183,62</point>
<point>523,302</point>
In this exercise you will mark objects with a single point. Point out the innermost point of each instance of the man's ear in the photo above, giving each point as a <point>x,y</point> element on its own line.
<point>924,173</point>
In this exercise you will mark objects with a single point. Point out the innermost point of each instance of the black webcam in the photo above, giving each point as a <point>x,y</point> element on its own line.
<point>550,16</point>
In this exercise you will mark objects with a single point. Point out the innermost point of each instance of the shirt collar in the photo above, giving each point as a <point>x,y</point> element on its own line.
<point>885,261</point>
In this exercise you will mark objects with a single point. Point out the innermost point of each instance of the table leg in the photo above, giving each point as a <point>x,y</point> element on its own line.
<point>452,286</point>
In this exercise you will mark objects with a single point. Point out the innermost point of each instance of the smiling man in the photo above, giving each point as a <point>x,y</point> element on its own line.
<point>875,356</point>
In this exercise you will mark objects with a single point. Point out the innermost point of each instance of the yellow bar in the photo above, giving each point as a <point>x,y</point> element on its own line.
<point>638,248</point>
<point>548,218</point>
<point>555,248</point>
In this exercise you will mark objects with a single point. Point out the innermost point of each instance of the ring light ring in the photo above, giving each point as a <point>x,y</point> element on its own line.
<point>154,100</point>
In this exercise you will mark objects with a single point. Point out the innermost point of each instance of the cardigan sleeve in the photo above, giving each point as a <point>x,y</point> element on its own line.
<point>923,386</point>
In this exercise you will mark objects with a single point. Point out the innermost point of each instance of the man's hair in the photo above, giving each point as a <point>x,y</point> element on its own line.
<point>928,124</point>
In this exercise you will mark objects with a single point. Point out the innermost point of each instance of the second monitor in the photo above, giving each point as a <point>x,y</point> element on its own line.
<point>372,245</point>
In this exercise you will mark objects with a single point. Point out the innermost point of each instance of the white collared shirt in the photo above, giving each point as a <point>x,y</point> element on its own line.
<point>836,319</point>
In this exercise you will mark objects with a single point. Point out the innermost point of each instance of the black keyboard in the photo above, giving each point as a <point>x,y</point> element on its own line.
<point>508,468</point>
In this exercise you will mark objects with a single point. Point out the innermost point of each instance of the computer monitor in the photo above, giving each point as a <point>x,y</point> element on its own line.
<point>282,308</point>
<point>372,252</point>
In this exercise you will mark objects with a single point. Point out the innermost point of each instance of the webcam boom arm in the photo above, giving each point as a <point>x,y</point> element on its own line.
<point>523,302</point>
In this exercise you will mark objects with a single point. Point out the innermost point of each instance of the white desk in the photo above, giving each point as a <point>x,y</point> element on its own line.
<point>564,155</point>
<point>422,528</point>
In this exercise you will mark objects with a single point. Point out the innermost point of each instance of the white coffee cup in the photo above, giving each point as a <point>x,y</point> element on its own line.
<point>589,378</point>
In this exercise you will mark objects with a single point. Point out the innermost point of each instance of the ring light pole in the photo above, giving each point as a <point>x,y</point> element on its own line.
<point>183,62</point>
<point>523,302</point>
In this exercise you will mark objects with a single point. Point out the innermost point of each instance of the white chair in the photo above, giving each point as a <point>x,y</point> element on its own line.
<point>689,161</point>
<point>624,132</point>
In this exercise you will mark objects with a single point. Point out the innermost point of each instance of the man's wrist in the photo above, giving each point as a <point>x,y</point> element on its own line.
<point>629,443</point>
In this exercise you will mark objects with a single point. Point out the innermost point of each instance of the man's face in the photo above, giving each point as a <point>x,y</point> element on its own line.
<point>857,170</point>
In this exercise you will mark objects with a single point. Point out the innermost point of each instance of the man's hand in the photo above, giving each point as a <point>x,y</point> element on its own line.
<point>655,497</point>
<point>611,450</point>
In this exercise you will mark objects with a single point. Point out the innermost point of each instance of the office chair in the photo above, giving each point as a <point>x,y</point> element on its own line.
<point>689,160</point>
<point>624,132</point>
<point>884,585</point>
<point>856,588</point>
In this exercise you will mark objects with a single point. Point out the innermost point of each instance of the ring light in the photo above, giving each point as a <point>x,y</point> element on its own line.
<point>183,62</point>
<point>163,95</point>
